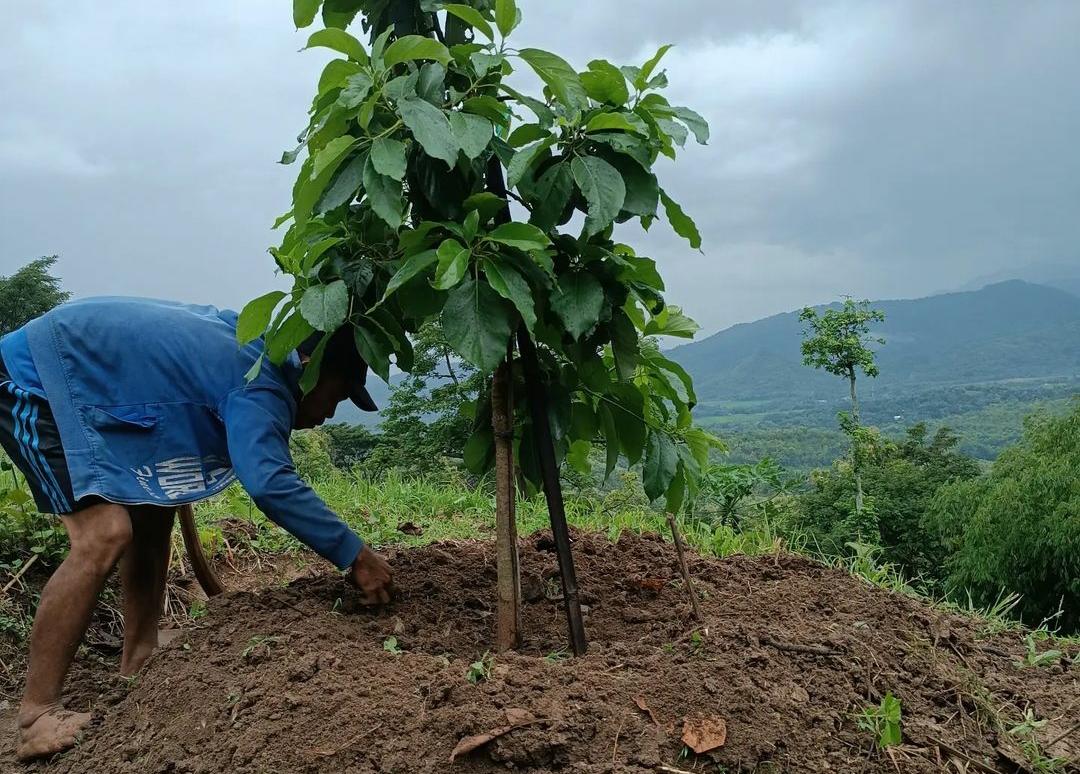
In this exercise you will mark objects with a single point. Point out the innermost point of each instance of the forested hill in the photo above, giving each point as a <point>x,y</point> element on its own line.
<point>1006,331</point>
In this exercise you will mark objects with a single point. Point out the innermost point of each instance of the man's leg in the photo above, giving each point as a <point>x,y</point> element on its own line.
<point>99,536</point>
<point>143,570</point>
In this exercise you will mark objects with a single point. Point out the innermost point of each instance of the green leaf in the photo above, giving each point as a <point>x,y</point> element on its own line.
<point>543,113</point>
<point>340,13</point>
<point>472,132</point>
<point>314,366</point>
<point>344,186</point>
<point>488,107</point>
<point>676,491</point>
<point>506,16</point>
<point>477,323</point>
<point>605,83</point>
<point>624,344</point>
<point>525,134</point>
<point>332,154</point>
<point>253,372</point>
<point>340,41</point>
<point>412,47</point>
<point>479,451</point>
<point>374,346</point>
<point>621,122</point>
<point>431,128</point>
<point>486,204</point>
<point>578,456</point>
<point>524,159</point>
<point>603,188</point>
<point>698,125</point>
<point>628,412</point>
<point>559,76</point>
<point>384,195</point>
<point>287,337</point>
<point>325,306</point>
<point>680,221</point>
<point>388,157</point>
<point>453,262</point>
<point>627,145</point>
<point>660,461</point>
<point>413,266</point>
<point>255,316</point>
<point>611,438</point>
<point>432,83</point>
<point>647,69</point>
<point>551,194</point>
<point>508,283</point>
<point>472,17</point>
<point>520,235</point>
<point>578,301</point>
<point>336,73</point>
<point>673,129</point>
<point>642,190</point>
<point>357,87</point>
<point>672,322</point>
<point>303,12</point>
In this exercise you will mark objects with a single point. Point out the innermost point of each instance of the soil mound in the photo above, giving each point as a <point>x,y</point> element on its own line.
<point>302,678</point>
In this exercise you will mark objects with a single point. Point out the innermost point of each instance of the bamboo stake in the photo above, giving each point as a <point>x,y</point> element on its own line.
<point>549,470</point>
<point>508,629</point>
<point>677,535</point>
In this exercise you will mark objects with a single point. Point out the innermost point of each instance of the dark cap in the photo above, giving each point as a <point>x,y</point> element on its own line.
<point>341,356</point>
<point>358,393</point>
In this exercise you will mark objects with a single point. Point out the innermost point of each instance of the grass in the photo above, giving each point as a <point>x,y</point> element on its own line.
<point>451,510</point>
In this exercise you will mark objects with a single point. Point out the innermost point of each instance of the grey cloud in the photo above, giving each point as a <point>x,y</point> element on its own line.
<point>877,149</point>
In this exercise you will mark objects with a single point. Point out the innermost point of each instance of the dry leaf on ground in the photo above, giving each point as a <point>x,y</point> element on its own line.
<point>702,734</point>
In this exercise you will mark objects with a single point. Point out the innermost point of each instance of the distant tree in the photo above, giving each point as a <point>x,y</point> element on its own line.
<point>837,341</point>
<point>28,293</point>
<point>904,476</point>
<point>431,412</point>
<point>1017,528</point>
<point>350,445</point>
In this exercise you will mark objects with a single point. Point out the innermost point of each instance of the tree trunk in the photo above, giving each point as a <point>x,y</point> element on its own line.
<point>855,451</point>
<point>508,629</point>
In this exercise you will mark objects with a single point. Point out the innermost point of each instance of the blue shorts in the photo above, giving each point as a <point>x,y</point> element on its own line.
<point>29,436</point>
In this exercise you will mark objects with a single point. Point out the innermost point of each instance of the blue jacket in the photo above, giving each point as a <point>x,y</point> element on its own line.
<point>153,408</point>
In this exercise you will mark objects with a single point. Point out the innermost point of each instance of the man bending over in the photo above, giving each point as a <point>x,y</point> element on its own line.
<point>117,410</point>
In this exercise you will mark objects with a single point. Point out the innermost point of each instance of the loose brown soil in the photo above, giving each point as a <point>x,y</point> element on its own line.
<point>297,679</point>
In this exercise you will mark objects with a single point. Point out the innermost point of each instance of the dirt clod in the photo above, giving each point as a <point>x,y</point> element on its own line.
<point>794,651</point>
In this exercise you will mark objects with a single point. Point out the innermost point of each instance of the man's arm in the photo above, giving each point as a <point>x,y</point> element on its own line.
<point>257,426</point>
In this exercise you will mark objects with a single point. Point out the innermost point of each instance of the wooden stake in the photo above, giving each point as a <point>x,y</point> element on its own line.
<point>549,470</point>
<point>205,574</point>
<point>677,535</point>
<point>508,629</point>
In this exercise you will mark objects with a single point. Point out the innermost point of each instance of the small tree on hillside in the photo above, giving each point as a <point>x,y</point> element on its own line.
<point>838,340</point>
<point>401,213</point>
<point>28,293</point>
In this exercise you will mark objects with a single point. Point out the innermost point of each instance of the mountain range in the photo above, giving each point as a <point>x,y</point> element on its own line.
<point>977,360</point>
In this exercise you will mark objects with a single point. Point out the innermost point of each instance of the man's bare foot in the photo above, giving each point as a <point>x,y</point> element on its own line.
<point>54,731</point>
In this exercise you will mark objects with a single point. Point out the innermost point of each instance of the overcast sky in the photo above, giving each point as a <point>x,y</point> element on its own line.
<point>867,148</point>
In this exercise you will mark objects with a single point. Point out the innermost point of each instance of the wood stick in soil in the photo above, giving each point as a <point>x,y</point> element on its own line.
<point>508,619</point>
<point>20,573</point>
<point>677,537</point>
<point>205,574</point>
<point>537,400</point>
<point>549,470</point>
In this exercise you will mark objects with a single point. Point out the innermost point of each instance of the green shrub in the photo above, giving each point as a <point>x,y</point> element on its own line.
<point>1018,527</point>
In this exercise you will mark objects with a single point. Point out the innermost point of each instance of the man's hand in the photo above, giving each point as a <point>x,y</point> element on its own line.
<point>371,574</point>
